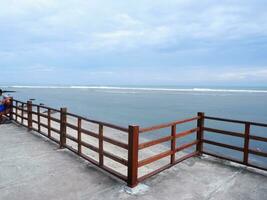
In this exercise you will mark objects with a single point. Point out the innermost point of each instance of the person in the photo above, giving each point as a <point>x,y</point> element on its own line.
<point>5,102</point>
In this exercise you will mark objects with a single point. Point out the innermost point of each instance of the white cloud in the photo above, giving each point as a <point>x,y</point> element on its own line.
<point>103,24</point>
<point>241,74</point>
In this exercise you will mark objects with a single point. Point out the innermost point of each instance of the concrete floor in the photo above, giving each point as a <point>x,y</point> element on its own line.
<point>32,167</point>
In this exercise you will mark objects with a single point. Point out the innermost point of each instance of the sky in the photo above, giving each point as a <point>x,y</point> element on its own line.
<point>133,42</point>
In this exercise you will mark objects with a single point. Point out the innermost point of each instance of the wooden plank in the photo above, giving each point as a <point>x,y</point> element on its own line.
<point>167,166</point>
<point>72,126</point>
<point>185,146</point>
<point>29,108</point>
<point>154,142</point>
<point>154,158</point>
<point>113,126</point>
<point>254,137</point>
<point>84,156</point>
<point>79,135</point>
<point>71,148</point>
<point>224,132</point>
<point>258,153</point>
<point>199,137</point>
<point>42,115</point>
<point>89,146</point>
<point>63,127</point>
<point>133,141</point>
<point>115,158</point>
<point>43,125</point>
<point>185,133</point>
<point>49,122</point>
<point>100,146</point>
<point>46,107</point>
<point>115,142</point>
<point>11,108</point>
<point>16,111</point>
<point>236,121</point>
<point>55,119</point>
<point>38,118</point>
<point>90,133</point>
<point>22,113</point>
<point>225,120</point>
<point>72,138</point>
<point>55,130</point>
<point>246,143</point>
<point>223,145</point>
<point>161,126</point>
<point>173,143</point>
<point>35,121</point>
<point>167,138</point>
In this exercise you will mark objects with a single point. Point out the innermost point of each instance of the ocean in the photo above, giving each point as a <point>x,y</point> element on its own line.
<point>146,106</point>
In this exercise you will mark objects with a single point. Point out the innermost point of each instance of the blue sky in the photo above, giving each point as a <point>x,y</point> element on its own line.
<point>175,42</point>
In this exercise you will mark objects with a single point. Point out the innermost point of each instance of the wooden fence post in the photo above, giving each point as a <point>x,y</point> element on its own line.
<point>63,126</point>
<point>29,113</point>
<point>49,123</point>
<point>22,113</point>
<point>200,125</point>
<point>173,144</point>
<point>100,144</point>
<point>11,109</point>
<point>16,112</point>
<point>38,118</point>
<point>79,135</point>
<point>246,143</point>
<point>133,142</point>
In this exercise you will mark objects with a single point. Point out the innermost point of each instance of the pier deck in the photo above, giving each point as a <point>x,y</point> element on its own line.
<point>33,167</point>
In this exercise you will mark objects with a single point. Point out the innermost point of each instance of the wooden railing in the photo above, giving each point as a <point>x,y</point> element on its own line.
<point>172,138</point>
<point>38,117</point>
<point>58,124</point>
<point>246,136</point>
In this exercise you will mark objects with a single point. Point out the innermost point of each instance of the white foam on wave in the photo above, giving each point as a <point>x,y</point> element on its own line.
<point>147,89</point>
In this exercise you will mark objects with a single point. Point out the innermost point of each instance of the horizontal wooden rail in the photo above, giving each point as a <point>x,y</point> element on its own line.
<point>224,132</point>
<point>236,121</point>
<point>154,142</point>
<point>185,133</point>
<point>166,139</point>
<point>223,145</point>
<point>254,137</point>
<point>258,153</point>
<point>185,146</point>
<point>154,158</point>
<point>90,133</point>
<point>120,128</point>
<point>115,142</point>
<point>161,126</point>
<point>115,158</point>
<point>96,149</point>
<point>89,146</point>
<point>165,153</point>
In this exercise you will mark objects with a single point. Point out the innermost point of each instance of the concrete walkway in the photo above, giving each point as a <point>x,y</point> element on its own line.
<point>32,167</point>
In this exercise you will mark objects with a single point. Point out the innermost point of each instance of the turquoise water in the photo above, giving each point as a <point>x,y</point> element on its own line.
<point>148,106</point>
